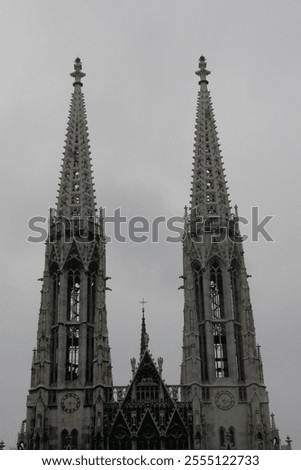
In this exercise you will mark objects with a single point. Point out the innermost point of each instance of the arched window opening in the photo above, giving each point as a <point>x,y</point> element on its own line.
<point>120,438</point>
<point>199,292</point>
<point>72,360</point>
<point>176,438</point>
<point>216,292</point>
<point>148,437</point>
<point>73,299</point>
<point>220,350</point>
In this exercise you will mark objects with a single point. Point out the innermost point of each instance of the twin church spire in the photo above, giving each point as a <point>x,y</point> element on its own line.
<point>221,402</point>
<point>76,190</point>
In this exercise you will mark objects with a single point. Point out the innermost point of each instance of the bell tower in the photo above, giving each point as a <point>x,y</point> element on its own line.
<point>71,366</point>
<point>222,364</point>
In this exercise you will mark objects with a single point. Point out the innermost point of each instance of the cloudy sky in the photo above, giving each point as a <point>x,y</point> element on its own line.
<point>140,90</point>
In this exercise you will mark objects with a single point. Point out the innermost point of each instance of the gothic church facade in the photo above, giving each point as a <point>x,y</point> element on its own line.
<point>221,401</point>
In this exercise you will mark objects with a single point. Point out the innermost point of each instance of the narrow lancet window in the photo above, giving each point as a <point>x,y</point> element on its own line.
<point>220,350</point>
<point>55,289</point>
<point>73,300</point>
<point>199,293</point>
<point>216,292</point>
<point>72,350</point>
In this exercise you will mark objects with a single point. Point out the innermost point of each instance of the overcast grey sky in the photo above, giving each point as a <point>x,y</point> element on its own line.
<point>140,90</point>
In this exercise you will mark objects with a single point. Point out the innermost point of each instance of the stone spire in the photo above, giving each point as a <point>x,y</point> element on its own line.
<point>144,336</point>
<point>76,192</point>
<point>209,195</point>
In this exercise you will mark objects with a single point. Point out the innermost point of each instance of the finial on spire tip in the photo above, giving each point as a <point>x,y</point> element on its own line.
<point>143,302</point>
<point>144,336</point>
<point>202,72</point>
<point>77,74</point>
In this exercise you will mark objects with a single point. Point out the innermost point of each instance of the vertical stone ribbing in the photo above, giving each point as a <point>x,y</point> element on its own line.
<point>76,191</point>
<point>209,195</point>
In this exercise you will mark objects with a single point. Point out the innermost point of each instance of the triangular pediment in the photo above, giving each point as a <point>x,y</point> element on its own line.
<point>176,426</point>
<point>120,423</point>
<point>73,256</point>
<point>235,254</point>
<point>147,375</point>
<point>215,251</point>
<point>120,428</point>
<point>148,425</point>
<point>93,256</point>
<point>255,400</point>
<point>53,258</point>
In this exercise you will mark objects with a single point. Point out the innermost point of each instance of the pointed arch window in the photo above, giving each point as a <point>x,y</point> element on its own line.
<point>220,350</point>
<point>73,298</point>
<point>148,436</point>
<point>55,289</point>
<point>199,292</point>
<point>216,292</point>
<point>72,353</point>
